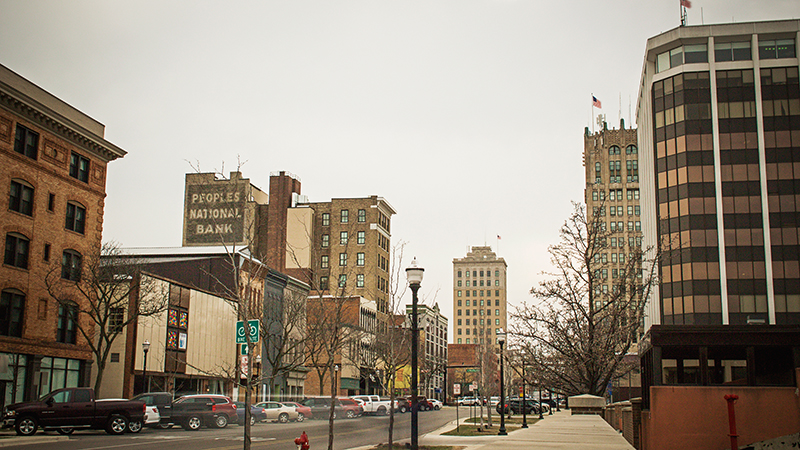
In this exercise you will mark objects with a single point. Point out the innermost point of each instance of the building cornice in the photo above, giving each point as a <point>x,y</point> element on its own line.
<point>18,103</point>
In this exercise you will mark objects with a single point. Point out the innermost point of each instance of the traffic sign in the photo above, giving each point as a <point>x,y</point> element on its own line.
<point>457,389</point>
<point>253,325</point>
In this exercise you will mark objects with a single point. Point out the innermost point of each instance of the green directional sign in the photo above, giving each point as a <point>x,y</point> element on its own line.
<point>253,326</point>
<point>473,370</point>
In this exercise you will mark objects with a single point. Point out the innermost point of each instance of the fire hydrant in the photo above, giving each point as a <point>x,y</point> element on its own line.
<point>302,442</point>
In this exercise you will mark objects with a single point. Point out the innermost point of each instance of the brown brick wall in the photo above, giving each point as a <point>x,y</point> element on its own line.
<point>48,174</point>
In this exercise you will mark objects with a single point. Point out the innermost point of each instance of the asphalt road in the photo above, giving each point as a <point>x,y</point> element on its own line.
<point>348,433</point>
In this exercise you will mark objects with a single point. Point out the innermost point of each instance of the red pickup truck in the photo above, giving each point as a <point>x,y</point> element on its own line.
<point>71,408</point>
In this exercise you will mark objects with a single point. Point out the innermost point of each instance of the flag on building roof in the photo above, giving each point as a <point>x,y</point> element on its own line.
<point>596,103</point>
<point>686,3</point>
<point>498,237</point>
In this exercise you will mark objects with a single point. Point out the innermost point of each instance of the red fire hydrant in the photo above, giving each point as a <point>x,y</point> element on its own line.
<point>731,399</point>
<point>302,442</point>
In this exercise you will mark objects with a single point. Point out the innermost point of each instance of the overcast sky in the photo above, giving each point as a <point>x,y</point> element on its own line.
<point>466,115</point>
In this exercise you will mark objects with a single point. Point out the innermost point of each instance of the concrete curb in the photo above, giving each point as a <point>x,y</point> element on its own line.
<point>12,440</point>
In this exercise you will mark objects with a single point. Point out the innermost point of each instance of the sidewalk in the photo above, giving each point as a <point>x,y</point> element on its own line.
<point>559,431</point>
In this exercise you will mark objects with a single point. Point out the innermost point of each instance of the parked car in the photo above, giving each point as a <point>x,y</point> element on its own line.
<point>211,410</point>
<point>437,404</point>
<point>403,405</point>
<point>151,418</point>
<point>257,413</point>
<point>68,409</point>
<point>516,405</point>
<point>303,412</point>
<point>493,401</point>
<point>321,407</point>
<point>422,403</point>
<point>162,401</point>
<point>469,401</point>
<point>373,404</point>
<point>352,408</point>
<point>279,412</point>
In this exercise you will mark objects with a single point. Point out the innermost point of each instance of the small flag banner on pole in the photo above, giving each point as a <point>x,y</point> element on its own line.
<point>686,3</point>
<point>596,103</point>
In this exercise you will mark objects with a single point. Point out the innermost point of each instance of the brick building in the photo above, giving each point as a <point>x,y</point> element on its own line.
<point>53,160</point>
<point>340,248</point>
<point>611,162</point>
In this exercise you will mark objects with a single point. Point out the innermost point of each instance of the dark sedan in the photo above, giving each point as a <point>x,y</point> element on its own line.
<point>257,413</point>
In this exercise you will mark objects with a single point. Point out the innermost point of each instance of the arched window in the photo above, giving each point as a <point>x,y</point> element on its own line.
<point>614,150</point>
<point>12,310</point>
<point>76,217</point>
<point>631,150</point>
<point>71,265</point>
<point>17,247</point>
<point>21,197</point>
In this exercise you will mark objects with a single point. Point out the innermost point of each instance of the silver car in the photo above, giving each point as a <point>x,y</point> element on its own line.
<point>278,411</point>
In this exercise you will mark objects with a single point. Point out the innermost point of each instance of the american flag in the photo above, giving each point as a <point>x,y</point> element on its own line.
<point>498,237</point>
<point>686,3</point>
<point>596,103</point>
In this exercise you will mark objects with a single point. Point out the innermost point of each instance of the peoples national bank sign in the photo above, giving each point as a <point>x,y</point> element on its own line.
<point>214,214</point>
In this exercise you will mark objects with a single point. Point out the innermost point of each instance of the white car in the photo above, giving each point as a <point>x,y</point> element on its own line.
<point>469,401</point>
<point>437,404</point>
<point>151,418</point>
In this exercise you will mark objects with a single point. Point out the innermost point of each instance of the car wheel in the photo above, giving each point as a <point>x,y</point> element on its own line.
<point>334,414</point>
<point>283,418</point>
<point>117,424</point>
<point>193,423</point>
<point>382,411</point>
<point>350,414</point>
<point>26,426</point>
<point>135,426</point>
<point>221,421</point>
<point>403,409</point>
<point>437,407</point>
<point>300,417</point>
<point>65,430</point>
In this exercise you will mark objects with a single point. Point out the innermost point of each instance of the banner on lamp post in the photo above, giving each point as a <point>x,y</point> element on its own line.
<point>243,365</point>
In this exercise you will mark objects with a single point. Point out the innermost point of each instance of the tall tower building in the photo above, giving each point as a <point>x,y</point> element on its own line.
<point>479,297</point>
<point>719,126</point>
<point>719,142</point>
<point>611,160</point>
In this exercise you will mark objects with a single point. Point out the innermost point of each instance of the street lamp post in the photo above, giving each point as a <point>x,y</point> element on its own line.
<point>501,339</point>
<point>524,398</point>
<point>145,349</point>
<point>414,275</point>
<point>541,405</point>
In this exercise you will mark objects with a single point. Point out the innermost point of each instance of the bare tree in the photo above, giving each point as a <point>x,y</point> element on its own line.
<point>100,294</point>
<point>393,340</point>
<point>583,321</point>
<point>283,334</point>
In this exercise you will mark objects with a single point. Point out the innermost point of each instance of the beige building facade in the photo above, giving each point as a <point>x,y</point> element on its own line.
<point>479,297</point>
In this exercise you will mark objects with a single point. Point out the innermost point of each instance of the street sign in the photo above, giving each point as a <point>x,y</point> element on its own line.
<point>254,328</point>
<point>473,387</point>
<point>457,389</point>
<point>243,348</point>
<point>473,370</point>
